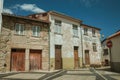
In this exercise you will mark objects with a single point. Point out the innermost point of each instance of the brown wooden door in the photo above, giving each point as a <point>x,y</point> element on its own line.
<point>58,58</point>
<point>18,60</point>
<point>35,59</point>
<point>87,57</point>
<point>76,59</point>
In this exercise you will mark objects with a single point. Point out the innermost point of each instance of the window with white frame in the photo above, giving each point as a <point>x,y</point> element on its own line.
<point>85,31</point>
<point>94,47</point>
<point>58,26</point>
<point>75,30</point>
<point>19,29</point>
<point>93,32</point>
<point>36,30</point>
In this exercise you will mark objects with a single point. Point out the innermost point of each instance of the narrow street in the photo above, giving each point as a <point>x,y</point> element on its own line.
<point>80,74</point>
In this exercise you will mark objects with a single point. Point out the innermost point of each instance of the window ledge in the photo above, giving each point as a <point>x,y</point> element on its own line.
<point>94,51</point>
<point>86,34</point>
<point>75,36</point>
<point>36,36</point>
<point>58,33</point>
<point>19,34</point>
<point>93,36</point>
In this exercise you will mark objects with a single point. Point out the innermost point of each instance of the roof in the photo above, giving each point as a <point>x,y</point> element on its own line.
<point>103,40</point>
<point>114,35</point>
<point>24,17</point>
<point>52,12</point>
<point>35,14</point>
<point>64,16</point>
<point>91,26</point>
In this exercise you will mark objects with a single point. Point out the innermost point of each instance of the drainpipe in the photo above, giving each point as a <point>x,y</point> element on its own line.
<point>49,46</point>
<point>82,46</point>
<point>1,9</point>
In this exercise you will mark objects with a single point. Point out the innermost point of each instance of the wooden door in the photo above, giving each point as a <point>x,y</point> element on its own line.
<point>35,59</point>
<point>87,57</point>
<point>18,60</point>
<point>76,59</point>
<point>58,58</point>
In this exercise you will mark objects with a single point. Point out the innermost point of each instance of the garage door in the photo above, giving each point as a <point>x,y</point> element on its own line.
<point>35,59</point>
<point>18,60</point>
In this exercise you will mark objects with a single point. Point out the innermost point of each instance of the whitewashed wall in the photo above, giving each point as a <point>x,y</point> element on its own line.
<point>115,50</point>
<point>95,57</point>
<point>105,56</point>
<point>66,39</point>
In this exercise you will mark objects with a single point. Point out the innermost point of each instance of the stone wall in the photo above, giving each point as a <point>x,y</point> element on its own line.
<point>26,41</point>
<point>4,51</point>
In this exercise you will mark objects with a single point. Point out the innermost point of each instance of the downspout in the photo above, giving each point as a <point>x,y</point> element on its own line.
<point>49,46</point>
<point>1,9</point>
<point>82,46</point>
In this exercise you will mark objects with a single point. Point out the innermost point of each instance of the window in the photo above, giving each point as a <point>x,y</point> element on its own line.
<point>94,47</point>
<point>85,31</point>
<point>75,30</point>
<point>19,29</point>
<point>105,52</point>
<point>36,30</point>
<point>93,32</point>
<point>58,26</point>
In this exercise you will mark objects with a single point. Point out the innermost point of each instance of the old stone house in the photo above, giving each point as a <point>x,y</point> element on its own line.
<point>72,44</point>
<point>26,45</point>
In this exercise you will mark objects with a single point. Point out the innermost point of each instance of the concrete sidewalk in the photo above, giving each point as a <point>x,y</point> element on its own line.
<point>27,75</point>
<point>79,74</point>
<point>108,74</point>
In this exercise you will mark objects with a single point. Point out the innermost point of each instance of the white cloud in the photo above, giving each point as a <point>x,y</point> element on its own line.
<point>6,10</point>
<point>89,3</point>
<point>29,7</point>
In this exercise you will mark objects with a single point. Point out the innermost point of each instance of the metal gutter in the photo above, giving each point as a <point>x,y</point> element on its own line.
<point>82,46</point>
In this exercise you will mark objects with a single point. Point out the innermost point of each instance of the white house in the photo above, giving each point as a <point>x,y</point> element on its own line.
<point>105,53</point>
<point>72,44</point>
<point>115,51</point>
<point>91,45</point>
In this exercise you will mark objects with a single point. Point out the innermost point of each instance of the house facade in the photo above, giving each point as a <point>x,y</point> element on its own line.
<point>70,48</point>
<point>27,44</point>
<point>105,53</point>
<point>115,51</point>
<point>91,45</point>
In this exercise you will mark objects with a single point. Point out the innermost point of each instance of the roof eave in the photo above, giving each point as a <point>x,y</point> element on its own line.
<point>64,15</point>
<point>91,27</point>
<point>22,17</point>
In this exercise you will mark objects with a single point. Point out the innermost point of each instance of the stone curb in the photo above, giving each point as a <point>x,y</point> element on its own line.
<point>103,78</point>
<point>52,76</point>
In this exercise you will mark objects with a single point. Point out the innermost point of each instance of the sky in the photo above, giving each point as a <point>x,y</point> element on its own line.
<point>104,14</point>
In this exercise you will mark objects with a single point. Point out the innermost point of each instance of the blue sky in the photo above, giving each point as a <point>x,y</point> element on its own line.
<point>104,14</point>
